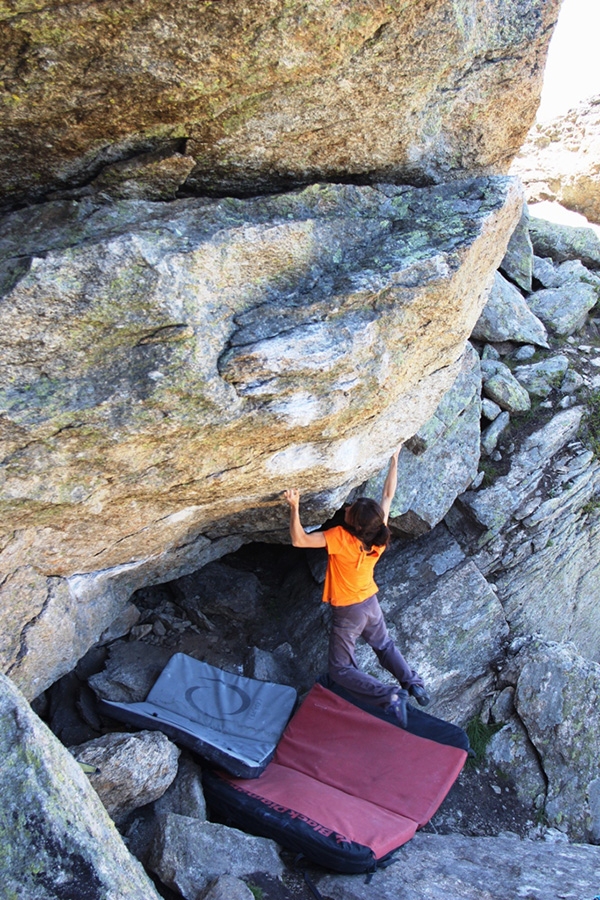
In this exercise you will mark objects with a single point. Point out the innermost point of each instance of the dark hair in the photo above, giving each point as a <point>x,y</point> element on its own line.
<point>366,523</point>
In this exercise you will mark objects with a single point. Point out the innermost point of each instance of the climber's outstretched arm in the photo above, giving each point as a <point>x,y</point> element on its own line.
<point>389,485</point>
<point>300,538</point>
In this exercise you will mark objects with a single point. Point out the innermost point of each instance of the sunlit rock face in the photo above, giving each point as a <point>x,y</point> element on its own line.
<point>267,94</point>
<point>560,160</point>
<point>171,368</point>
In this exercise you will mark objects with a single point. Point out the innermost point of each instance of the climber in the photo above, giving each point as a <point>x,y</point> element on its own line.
<point>352,552</point>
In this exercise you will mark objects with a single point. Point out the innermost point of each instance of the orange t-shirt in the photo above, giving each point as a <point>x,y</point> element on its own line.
<point>349,578</point>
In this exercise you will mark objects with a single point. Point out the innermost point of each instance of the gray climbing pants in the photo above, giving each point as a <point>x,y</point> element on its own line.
<point>366,620</point>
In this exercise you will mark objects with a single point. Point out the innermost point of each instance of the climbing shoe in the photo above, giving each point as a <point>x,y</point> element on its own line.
<point>420,694</point>
<point>398,708</point>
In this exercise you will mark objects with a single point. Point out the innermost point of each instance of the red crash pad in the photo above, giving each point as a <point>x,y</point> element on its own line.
<point>355,776</point>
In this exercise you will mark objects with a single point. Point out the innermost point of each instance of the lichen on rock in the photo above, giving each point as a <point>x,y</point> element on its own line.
<point>171,366</point>
<point>303,92</point>
<point>54,833</point>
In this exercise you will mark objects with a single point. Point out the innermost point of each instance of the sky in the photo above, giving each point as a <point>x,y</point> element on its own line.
<point>573,67</point>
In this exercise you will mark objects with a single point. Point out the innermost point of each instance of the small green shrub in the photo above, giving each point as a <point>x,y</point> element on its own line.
<point>490,471</point>
<point>589,433</point>
<point>480,735</point>
<point>591,506</point>
<point>257,891</point>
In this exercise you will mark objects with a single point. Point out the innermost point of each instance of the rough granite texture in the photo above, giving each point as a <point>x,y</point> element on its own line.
<point>507,317</point>
<point>56,839</point>
<point>564,310</point>
<point>267,94</point>
<point>562,243</point>
<point>132,769</point>
<point>440,461</point>
<point>556,698</point>
<point>188,855</point>
<point>538,530</point>
<point>500,386</point>
<point>451,633</point>
<point>171,367</point>
<point>440,867</point>
<point>540,378</point>
<point>517,264</point>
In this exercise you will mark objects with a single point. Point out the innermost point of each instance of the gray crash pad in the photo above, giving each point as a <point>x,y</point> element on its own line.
<point>232,721</point>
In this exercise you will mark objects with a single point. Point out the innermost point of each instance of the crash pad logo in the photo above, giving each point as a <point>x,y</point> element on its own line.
<point>226,700</point>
